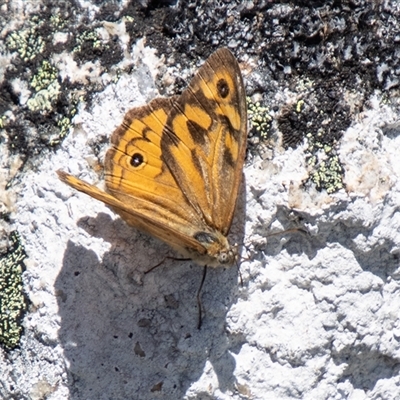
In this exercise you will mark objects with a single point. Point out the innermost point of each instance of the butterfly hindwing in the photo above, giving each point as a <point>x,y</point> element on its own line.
<point>136,175</point>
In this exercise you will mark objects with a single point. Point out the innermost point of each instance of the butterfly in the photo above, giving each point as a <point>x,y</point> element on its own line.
<point>175,165</point>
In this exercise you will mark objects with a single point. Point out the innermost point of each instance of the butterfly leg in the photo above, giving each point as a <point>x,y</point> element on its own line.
<point>163,260</point>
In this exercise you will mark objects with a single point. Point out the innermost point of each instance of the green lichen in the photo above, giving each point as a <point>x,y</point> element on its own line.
<point>13,303</point>
<point>3,120</point>
<point>328,173</point>
<point>259,117</point>
<point>299,106</point>
<point>86,38</point>
<point>27,43</point>
<point>43,100</point>
<point>58,21</point>
<point>46,75</point>
<point>304,85</point>
<point>47,88</point>
<point>64,124</point>
<point>117,76</point>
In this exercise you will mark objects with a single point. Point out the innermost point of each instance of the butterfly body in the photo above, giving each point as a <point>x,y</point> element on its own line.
<point>175,165</point>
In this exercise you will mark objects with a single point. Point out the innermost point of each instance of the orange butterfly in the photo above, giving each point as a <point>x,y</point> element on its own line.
<point>175,165</point>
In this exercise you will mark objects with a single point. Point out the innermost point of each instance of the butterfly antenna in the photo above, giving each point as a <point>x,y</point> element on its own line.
<point>292,230</point>
<point>287,231</point>
<point>240,273</point>
<point>199,298</point>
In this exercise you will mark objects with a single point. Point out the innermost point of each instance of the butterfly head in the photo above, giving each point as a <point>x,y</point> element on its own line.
<point>218,250</point>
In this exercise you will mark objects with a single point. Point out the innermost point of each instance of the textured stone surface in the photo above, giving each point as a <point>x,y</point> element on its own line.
<point>316,314</point>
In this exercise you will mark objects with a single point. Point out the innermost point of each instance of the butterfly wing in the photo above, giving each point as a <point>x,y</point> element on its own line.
<point>204,140</point>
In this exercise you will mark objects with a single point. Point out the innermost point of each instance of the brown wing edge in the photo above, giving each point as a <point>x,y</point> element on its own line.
<point>226,56</point>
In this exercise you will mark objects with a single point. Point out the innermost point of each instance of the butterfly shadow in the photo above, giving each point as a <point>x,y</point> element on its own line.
<point>129,335</point>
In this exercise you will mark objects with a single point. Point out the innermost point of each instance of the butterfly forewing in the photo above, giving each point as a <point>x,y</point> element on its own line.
<point>204,140</point>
